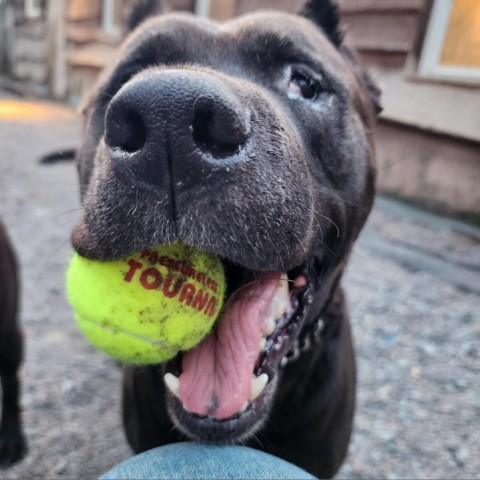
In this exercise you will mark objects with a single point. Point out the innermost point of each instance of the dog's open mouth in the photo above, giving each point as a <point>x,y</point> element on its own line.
<point>227,374</point>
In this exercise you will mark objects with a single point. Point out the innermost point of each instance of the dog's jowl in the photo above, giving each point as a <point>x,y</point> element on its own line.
<point>12,443</point>
<point>251,140</point>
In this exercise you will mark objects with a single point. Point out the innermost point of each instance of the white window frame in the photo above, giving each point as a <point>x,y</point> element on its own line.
<point>108,18</point>
<point>202,8</point>
<point>33,8</point>
<point>429,65</point>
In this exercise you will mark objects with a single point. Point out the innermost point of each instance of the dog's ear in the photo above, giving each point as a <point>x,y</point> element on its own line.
<point>364,77</point>
<point>143,9</point>
<point>374,91</point>
<point>326,14</point>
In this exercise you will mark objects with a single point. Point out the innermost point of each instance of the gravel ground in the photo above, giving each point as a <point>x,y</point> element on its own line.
<point>413,286</point>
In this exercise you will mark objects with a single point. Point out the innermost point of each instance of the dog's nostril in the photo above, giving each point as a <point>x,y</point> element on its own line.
<point>218,131</point>
<point>129,132</point>
<point>136,132</point>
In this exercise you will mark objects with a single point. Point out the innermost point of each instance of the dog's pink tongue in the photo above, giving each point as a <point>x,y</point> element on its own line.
<point>217,374</point>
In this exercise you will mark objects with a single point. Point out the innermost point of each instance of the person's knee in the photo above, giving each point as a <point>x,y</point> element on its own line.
<point>197,461</point>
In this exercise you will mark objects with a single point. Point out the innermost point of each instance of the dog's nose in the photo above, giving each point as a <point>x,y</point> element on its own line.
<point>174,125</point>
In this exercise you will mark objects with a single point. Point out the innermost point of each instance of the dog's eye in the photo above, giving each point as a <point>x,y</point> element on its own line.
<point>302,86</point>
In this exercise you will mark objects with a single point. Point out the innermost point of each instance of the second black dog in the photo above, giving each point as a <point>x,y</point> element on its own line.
<point>12,442</point>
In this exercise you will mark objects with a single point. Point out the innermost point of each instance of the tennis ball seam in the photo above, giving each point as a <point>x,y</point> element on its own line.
<point>156,343</point>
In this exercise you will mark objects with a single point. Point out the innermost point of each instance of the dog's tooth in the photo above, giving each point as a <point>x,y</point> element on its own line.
<point>280,307</point>
<point>269,325</point>
<point>284,362</point>
<point>258,384</point>
<point>263,343</point>
<point>245,406</point>
<point>282,298</point>
<point>283,286</point>
<point>173,384</point>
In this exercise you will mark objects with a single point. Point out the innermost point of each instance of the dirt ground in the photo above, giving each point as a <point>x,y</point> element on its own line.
<point>414,293</point>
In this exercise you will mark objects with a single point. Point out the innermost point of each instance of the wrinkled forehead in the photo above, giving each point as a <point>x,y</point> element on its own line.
<point>268,32</point>
<point>258,40</point>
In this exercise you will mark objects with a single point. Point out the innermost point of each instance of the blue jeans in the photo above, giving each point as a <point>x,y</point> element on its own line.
<point>196,461</point>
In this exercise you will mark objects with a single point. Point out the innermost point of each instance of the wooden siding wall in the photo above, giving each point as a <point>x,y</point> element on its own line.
<point>382,31</point>
<point>89,48</point>
<point>88,51</point>
<point>30,52</point>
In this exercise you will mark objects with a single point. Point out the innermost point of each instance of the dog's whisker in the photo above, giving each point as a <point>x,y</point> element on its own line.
<point>320,228</point>
<point>67,212</point>
<point>248,242</point>
<point>330,220</point>
<point>275,249</point>
<point>335,195</point>
<point>329,249</point>
<point>302,246</point>
<point>257,438</point>
<point>105,94</point>
<point>59,247</point>
<point>321,239</point>
<point>175,430</point>
<point>70,221</point>
<point>325,246</point>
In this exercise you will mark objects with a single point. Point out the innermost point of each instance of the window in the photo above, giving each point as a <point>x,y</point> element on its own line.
<point>112,16</point>
<point>452,44</point>
<point>33,8</point>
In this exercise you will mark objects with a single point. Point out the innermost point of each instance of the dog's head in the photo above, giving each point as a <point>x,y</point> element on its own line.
<point>249,139</point>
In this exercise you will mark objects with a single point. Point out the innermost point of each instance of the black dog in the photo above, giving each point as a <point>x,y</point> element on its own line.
<point>12,443</point>
<point>251,140</point>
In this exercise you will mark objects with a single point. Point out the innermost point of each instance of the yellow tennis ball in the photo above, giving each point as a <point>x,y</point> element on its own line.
<point>146,308</point>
